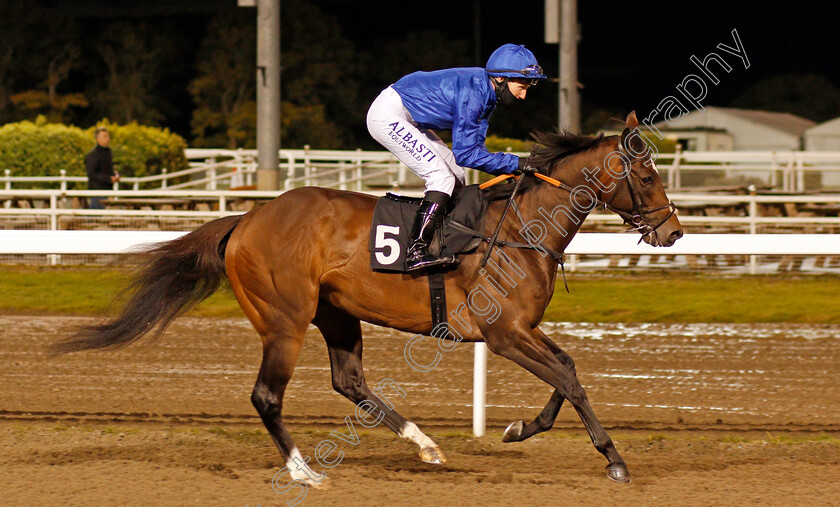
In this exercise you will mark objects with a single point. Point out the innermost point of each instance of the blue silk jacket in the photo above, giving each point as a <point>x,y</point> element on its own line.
<point>460,100</point>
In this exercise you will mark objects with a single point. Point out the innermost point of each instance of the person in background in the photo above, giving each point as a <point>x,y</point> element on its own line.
<point>460,100</point>
<point>100,167</point>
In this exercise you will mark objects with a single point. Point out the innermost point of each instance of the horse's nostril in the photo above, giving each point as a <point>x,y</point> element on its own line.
<point>675,236</point>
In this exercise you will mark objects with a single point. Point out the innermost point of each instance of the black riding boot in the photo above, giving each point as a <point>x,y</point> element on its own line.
<point>426,222</point>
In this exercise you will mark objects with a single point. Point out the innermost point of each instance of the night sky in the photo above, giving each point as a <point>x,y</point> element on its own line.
<point>631,54</point>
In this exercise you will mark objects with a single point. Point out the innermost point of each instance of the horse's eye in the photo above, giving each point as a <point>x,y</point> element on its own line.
<point>647,180</point>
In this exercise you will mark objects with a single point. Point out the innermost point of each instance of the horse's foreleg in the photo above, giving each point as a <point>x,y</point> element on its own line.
<point>343,335</point>
<point>536,353</point>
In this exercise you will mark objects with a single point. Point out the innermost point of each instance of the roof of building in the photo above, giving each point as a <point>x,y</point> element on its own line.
<point>785,122</point>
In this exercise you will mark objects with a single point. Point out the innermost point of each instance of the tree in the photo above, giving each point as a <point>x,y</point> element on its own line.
<point>426,50</point>
<point>319,89</point>
<point>307,125</point>
<point>52,106</point>
<point>224,91</point>
<point>16,39</point>
<point>56,61</point>
<point>136,57</point>
<point>321,68</point>
<point>811,96</point>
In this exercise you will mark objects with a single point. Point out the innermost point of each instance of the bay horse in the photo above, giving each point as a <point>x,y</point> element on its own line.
<point>303,259</point>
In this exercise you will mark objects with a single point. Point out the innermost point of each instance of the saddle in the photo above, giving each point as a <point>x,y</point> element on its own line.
<point>393,217</point>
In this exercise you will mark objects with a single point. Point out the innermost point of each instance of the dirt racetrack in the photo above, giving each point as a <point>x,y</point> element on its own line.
<point>703,415</point>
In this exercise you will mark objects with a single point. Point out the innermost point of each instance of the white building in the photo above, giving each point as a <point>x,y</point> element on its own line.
<point>823,137</point>
<point>727,129</point>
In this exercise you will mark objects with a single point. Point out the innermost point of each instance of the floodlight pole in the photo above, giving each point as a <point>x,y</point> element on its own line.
<point>569,93</point>
<point>268,94</point>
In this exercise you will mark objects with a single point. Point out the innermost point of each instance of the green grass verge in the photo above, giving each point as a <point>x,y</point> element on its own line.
<point>83,291</point>
<point>670,297</point>
<point>649,297</point>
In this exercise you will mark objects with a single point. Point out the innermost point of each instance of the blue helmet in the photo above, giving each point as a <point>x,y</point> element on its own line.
<point>512,60</point>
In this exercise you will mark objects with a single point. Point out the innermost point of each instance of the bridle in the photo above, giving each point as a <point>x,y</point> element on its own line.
<point>636,219</point>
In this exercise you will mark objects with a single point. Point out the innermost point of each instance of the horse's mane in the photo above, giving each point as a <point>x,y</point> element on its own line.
<point>553,146</point>
<point>549,148</point>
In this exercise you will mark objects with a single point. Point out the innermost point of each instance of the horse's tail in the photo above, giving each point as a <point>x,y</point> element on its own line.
<point>173,277</point>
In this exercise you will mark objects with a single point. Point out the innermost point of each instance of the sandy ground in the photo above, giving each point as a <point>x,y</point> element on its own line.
<point>703,415</point>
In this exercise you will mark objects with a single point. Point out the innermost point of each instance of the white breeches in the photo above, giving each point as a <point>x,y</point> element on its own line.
<point>390,123</point>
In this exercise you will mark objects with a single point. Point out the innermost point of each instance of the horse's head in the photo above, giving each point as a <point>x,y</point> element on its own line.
<point>638,196</point>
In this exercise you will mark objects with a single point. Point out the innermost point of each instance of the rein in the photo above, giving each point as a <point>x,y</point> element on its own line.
<point>636,218</point>
<point>511,203</point>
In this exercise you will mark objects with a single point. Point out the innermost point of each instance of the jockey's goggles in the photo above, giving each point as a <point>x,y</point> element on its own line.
<point>533,73</point>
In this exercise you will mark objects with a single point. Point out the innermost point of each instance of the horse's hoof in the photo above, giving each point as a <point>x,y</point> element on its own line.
<point>513,433</point>
<point>618,472</point>
<point>432,455</point>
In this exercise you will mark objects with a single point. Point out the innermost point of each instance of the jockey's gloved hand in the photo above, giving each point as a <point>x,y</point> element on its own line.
<point>524,168</point>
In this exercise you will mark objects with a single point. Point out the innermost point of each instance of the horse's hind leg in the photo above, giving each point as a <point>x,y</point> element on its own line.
<point>518,431</point>
<point>280,352</point>
<point>343,335</point>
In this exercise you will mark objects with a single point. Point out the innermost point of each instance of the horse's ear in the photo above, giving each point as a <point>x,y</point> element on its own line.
<point>631,121</point>
<point>624,135</point>
<point>631,140</point>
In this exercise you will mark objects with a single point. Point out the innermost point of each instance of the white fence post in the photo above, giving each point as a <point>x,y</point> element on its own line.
<point>753,227</point>
<point>211,174</point>
<point>252,169</point>
<point>787,174</point>
<point>480,389</point>
<point>342,176</point>
<point>8,204</point>
<point>163,182</point>
<point>239,167</point>
<point>53,213</point>
<point>290,173</point>
<point>53,258</point>
<point>307,167</point>
<point>674,171</point>
<point>800,175</point>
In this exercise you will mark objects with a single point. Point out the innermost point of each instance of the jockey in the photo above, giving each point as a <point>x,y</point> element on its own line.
<point>460,100</point>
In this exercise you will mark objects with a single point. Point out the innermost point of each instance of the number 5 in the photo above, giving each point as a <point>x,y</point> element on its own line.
<point>393,246</point>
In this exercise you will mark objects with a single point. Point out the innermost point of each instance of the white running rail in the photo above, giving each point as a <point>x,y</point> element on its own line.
<point>213,169</point>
